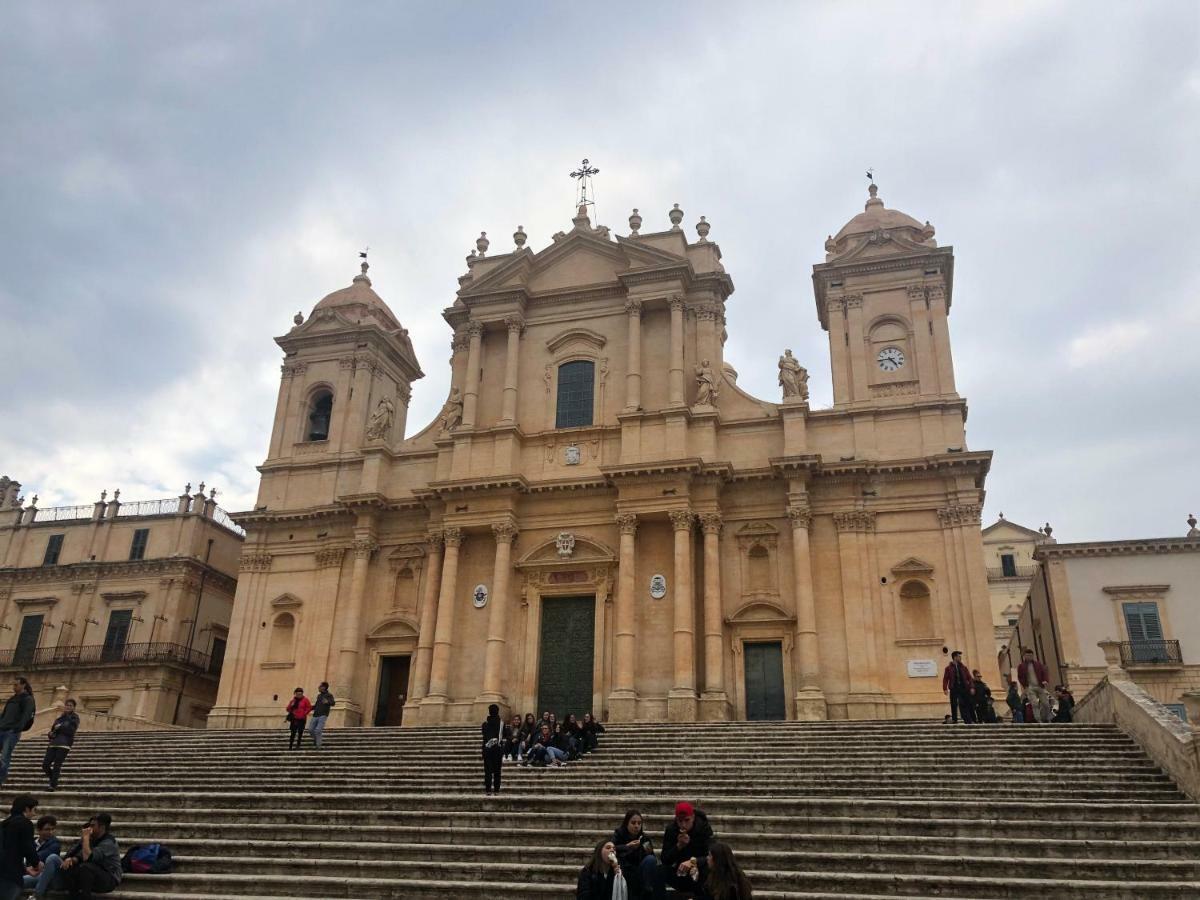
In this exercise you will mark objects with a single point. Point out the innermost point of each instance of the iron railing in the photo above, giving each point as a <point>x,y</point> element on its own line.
<point>63,513</point>
<point>1016,572</point>
<point>1155,653</point>
<point>105,654</point>
<point>222,518</point>
<point>167,507</point>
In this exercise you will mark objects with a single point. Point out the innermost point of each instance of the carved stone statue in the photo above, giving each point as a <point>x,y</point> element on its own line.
<point>706,384</point>
<point>452,411</point>
<point>793,377</point>
<point>380,425</point>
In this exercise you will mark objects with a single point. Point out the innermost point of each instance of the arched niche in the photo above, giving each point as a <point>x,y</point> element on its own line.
<point>758,560</point>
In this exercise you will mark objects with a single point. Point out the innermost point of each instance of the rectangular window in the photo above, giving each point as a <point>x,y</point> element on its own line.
<point>1008,565</point>
<point>137,550</point>
<point>27,640</point>
<point>217,657</point>
<point>575,394</point>
<point>119,622</point>
<point>1145,632</point>
<point>53,550</point>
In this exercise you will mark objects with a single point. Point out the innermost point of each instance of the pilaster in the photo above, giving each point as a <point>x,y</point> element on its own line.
<point>622,702</point>
<point>681,700</point>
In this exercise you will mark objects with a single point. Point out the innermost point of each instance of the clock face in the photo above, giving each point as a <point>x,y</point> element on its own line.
<point>890,359</point>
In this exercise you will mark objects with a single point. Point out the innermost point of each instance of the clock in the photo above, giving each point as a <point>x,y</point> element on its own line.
<point>890,359</point>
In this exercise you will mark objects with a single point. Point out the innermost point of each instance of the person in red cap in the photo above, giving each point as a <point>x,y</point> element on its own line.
<point>684,857</point>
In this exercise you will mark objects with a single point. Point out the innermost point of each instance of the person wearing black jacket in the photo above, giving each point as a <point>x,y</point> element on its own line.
<point>320,713</point>
<point>16,718</point>
<point>94,864</point>
<point>684,851</point>
<point>597,878</point>
<point>19,850</point>
<point>635,853</point>
<point>62,737</point>
<point>984,709</point>
<point>590,732</point>
<point>494,735</point>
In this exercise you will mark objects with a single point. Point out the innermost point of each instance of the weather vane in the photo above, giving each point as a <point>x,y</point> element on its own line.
<point>871,175</point>
<point>587,194</point>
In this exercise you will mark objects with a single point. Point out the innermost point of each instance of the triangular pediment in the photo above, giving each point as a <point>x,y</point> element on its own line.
<point>912,566</point>
<point>1003,529</point>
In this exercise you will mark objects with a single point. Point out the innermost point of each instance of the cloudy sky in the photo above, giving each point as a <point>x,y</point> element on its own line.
<point>177,180</point>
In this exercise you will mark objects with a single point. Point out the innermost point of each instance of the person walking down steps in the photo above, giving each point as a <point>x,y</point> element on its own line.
<point>61,737</point>
<point>298,709</point>
<point>320,713</point>
<point>495,736</point>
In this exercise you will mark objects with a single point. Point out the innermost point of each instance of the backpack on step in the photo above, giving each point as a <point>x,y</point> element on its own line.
<point>152,859</point>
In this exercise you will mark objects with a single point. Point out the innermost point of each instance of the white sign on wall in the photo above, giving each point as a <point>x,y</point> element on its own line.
<point>922,668</point>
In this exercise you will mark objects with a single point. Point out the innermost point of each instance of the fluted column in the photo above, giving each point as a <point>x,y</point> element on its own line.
<point>493,688</point>
<point>471,391</point>
<point>351,637</point>
<point>633,369</point>
<point>681,702</point>
<point>443,636</point>
<point>714,635</point>
<point>424,655</point>
<point>623,700</point>
<point>810,701</point>
<point>676,382</point>
<point>512,356</point>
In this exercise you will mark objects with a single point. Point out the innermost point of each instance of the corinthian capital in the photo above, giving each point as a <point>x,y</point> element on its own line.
<point>506,532</point>
<point>855,520</point>
<point>681,519</point>
<point>474,328</point>
<point>800,517</point>
<point>364,547</point>
<point>959,514</point>
<point>711,523</point>
<point>633,307</point>
<point>628,523</point>
<point>515,323</point>
<point>675,301</point>
<point>453,536</point>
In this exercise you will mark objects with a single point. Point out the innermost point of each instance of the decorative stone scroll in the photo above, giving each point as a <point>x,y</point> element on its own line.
<point>855,520</point>
<point>959,514</point>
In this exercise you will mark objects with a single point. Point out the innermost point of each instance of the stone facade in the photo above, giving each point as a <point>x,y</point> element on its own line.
<point>1138,598</point>
<point>696,553</point>
<point>1008,554</point>
<point>123,606</point>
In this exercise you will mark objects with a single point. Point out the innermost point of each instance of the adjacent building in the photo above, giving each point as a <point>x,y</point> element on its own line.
<point>600,518</point>
<point>126,605</point>
<point>1139,598</point>
<point>1008,554</point>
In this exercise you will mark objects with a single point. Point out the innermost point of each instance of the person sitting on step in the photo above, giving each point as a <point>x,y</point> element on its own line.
<point>298,709</point>
<point>512,745</point>
<point>544,752</point>
<point>685,846</point>
<point>564,743</point>
<point>49,850</point>
<point>17,848</point>
<point>94,864</point>
<point>635,853</point>
<point>590,732</point>
<point>725,879</point>
<point>570,727</point>
<point>525,737</point>
<point>602,878</point>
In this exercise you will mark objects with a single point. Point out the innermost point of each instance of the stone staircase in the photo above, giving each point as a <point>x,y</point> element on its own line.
<point>821,810</point>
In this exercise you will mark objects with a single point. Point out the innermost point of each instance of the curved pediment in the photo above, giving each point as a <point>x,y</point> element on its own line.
<point>758,611</point>
<point>584,336</point>
<point>582,551</point>
<point>393,628</point>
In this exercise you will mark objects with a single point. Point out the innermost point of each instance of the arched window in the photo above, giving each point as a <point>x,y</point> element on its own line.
<point>576,389</point>
<point>916,611</point>
<point>320,413</point>
<point>283,638</point>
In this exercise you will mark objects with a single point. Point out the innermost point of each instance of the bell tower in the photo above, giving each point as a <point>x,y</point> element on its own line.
<point>883,294</point>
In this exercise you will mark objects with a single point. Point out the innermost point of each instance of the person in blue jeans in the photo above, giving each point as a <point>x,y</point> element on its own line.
<point>41,876</point>
<point>320,713</point>
<point>16,718</point>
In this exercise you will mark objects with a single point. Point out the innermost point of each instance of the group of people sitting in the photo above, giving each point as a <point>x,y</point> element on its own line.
<point>544,742</point>
<point>626,866</point>
<point>33,858</point>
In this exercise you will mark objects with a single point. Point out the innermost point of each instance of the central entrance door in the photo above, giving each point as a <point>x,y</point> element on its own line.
<point>567,656</point>
<point>393,690</point>
<point>764,681</point>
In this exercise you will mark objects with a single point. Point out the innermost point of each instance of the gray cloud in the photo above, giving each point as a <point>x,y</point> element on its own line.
<point>178,181</point>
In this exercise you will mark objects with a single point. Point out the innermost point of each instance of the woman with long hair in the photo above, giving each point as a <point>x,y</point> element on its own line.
<point>725,879</point>
<point>635,853</point>
<point>601,878</point>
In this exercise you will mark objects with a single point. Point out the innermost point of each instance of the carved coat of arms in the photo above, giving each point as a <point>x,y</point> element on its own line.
<point>565,542</point>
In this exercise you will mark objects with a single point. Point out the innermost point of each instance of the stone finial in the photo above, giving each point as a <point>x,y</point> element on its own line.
<point>298,318</point>
<point>33,502</point>
<point>1047,530</point>
<point>482,243</point>
<point>104,495</point>
<point>1191,520</point>
<point>635,222</point>
<point>212,494</point>
<point>202,489</point>
<point>1112,659</point>
<point>1191,703</point>
<point>1002,514</point>
<point>519,237</point>
<point>702,229</point>
<point>188,488</point>
<point>874,200</point>
<point>830,244</point>
<point>676,216</point>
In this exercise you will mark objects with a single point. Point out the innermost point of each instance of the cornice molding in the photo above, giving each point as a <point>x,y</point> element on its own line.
<point>82,576</point>
<point>1147,547</point>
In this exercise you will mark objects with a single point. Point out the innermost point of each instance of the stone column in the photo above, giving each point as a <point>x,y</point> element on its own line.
<point>471,391</point>
<point>511,358</point>
<point>810,700</point>
<point>714,702</point>
<point>633,369</point>
<point>350,622</point>
<point>443,636</point>
<point>941,331</point>
<point>424,655</point>
<point>676,382</point>
<point>681,701</point>
<point>493,662</point>
<point>856,604</point>
<point>622,702</point>
<point>858,348</point>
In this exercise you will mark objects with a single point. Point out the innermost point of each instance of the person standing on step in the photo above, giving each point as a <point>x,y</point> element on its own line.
<point>298,709</point>
<point>94,864</point>
<point>1066,704</point>
<point>494,736</point>
<point>16,718</point>
<point>984,709</point>
<point>1035,681</point>
<point>1013,699</point>
<point>602,878</point>
<point>41,876</point>
<point>320,712</point>
<point>61,737</point>
<point>17,848</point>
<point>684,851</point>
<point>960,688</point>
<point>635,853</point>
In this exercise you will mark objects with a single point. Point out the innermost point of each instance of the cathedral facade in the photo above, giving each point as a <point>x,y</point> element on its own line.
<point>600,519</point>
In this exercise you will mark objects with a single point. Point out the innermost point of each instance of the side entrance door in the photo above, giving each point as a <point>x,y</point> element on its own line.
<point>393,689</point>
<point>764,681</point>
<point>567,655</point>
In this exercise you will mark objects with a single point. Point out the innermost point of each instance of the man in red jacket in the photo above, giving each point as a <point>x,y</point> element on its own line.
<point>1034,679</point>
<point>959,686</point>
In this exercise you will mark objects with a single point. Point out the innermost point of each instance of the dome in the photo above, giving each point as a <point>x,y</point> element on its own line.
<point>875,218</point>
<point>359,301</point>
